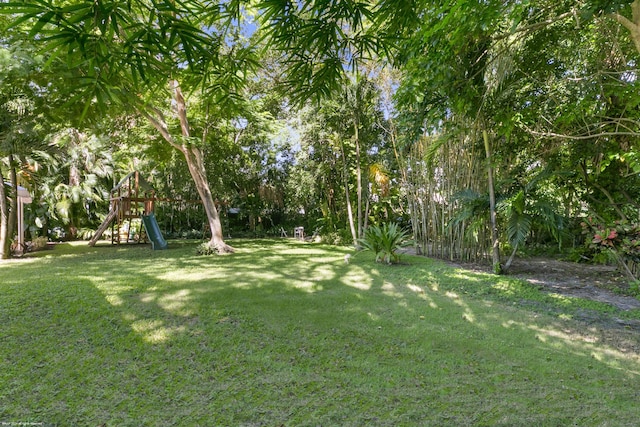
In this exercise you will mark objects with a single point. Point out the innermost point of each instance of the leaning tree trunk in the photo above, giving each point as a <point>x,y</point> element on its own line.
<point>195,163</point>
<point>196,167</point>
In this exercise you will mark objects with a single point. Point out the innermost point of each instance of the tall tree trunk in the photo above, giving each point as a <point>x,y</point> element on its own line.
<point>195,163</point>
<point>345,176</point>
<point>198,173</point>
<point>356,135</point>
<point>5,240</point>
<point>495,248</point>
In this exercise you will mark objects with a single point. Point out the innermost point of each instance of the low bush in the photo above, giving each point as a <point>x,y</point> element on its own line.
<point>39,243</point>
<point>205,248</point>
<point>385,241</point>
<point>619,242</point>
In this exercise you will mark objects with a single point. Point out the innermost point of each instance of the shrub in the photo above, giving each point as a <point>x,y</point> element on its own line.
<point>39,243</point>
<point>338,238</point>
<point>385,241</point>
<point>619,241</point>
<point>205,248</point>
<point>634,288</point>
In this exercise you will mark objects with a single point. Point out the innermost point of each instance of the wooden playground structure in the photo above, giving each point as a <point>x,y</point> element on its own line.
<point>130,200</point>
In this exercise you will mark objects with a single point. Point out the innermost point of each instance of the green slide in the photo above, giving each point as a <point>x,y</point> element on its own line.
<point>153,231</point>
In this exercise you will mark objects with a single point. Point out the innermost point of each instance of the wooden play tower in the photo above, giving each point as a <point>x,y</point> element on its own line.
<point>132,198</point>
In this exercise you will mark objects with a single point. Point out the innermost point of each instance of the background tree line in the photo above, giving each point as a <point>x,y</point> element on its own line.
<point>486,127</point>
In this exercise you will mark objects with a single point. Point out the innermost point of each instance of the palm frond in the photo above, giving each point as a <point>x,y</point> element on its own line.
<point>550,220</point>
<point>518,228</point>
<point>472,205</point>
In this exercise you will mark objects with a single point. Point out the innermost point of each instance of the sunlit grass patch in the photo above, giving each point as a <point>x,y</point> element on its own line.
<point>288,333</point>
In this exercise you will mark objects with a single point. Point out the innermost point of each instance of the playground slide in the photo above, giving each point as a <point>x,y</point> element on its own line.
<point>153,232</point>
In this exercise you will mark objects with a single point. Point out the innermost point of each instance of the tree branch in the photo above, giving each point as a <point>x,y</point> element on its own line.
<point>611,200</point>
<point>536,26</point>
<point>578,137</point>
<point>624,21</point>
<point>181,107</point>
<point>161,126</point>
<point>633,24</point>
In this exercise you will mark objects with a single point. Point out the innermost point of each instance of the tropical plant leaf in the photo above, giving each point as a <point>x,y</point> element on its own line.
<point>385,241</point>
<point>518,228</point>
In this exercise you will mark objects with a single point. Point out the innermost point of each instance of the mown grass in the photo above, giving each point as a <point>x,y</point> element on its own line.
<point>286,333</point>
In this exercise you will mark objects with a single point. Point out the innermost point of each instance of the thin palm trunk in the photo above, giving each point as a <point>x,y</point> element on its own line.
<point>345,176</point>
<point>358,173</point>
<point>367,208</point>
<point>495,249</point>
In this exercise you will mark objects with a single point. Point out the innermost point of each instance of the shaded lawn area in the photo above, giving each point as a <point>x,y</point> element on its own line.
<point>286,333</point>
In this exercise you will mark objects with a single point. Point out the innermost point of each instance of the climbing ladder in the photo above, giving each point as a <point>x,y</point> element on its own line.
<point>105,224</point>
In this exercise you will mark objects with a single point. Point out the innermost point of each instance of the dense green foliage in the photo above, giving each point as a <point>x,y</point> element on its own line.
<point>477,128</point>
<point>298,119</point>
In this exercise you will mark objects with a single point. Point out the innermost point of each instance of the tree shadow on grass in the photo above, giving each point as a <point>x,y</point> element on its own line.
<point>288,333</point>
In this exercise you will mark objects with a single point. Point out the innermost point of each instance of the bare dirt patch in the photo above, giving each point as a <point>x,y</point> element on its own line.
<point>594,282</point>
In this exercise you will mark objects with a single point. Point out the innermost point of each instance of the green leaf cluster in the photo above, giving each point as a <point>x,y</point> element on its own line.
<point>620,237</point>
<point>385,241</point>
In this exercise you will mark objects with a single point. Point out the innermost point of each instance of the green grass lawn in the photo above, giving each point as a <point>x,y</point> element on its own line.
<point>286,333</point>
